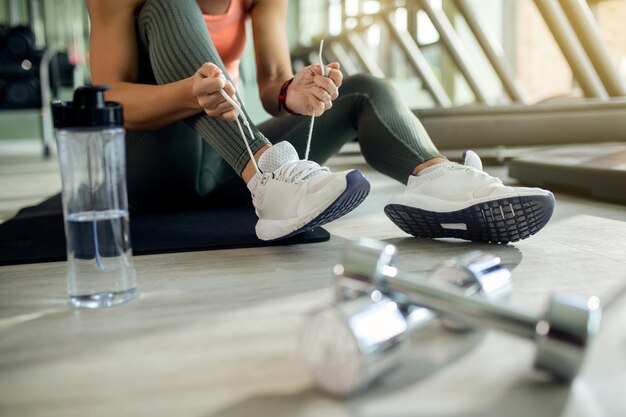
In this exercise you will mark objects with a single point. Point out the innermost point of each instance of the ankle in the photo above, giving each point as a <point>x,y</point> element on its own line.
<point>249,171</point>
<point>429,163</point>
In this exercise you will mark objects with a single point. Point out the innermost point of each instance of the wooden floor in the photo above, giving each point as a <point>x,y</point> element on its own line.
<point>215,333</point>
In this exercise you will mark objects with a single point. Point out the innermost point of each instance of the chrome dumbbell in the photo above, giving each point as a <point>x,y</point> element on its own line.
<point>561,333</point>
<point>364,335</point>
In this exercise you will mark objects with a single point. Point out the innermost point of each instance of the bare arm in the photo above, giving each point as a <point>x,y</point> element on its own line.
<point>114,61</point>
<point>271,49</point>
<point>146,107</point>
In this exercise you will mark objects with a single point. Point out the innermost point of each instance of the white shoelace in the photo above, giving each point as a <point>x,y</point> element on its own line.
<point>325,72</point>
<point>246,122</point>
<point>291,171</point>
<point>469,168</point>
<point>296,171</point>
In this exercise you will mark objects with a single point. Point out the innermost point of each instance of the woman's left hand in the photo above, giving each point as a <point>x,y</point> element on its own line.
<point>311,93</point>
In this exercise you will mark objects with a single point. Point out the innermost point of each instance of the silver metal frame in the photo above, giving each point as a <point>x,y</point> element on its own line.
<point>35,9</point>
<point>46,99</point>
<point>418,62</point>
<point>493,51</point>
<point>360,49</point>
<point>456,50</point>
<point>341,55</point>
<point>572,49</point>
<point>14,12</point>
<point>599,118</point>
<point>586,28</point>
<point>568,122</point>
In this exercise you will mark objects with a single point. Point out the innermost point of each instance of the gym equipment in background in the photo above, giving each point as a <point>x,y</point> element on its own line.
<point>597,170</point>
<point>19,69</point>
<point>505,121</point>
<point>31,77</point>
<point>349,345</point>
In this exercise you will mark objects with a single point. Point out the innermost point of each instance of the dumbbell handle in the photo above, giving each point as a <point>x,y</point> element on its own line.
<point>472,311</point>
<point>560,333</point>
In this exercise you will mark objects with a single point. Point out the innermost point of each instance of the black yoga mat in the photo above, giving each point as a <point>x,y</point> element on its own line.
<point>36,233</point>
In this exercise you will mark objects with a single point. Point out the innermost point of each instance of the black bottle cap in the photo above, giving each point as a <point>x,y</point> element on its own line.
<point>88,109</point>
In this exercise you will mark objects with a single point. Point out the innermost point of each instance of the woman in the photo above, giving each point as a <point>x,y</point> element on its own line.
<point>167,62</point>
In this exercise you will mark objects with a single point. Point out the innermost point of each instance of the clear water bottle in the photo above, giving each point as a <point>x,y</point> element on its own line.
<point>90,142</point>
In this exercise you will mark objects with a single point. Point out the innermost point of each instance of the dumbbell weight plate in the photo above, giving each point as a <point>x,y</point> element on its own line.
<point>347,346</point>
<point>569,324</point>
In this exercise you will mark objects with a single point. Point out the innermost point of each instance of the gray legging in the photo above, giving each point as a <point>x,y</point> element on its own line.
<point>175,164</point>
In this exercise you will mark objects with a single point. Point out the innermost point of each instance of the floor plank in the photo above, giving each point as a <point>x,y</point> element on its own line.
<point>216,333</point>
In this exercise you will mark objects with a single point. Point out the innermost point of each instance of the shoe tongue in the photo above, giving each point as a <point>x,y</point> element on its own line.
<point>276,156</point>
<point>471,159</point>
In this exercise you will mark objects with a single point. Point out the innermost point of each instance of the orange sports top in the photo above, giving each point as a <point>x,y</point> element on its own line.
<point>228,33</point>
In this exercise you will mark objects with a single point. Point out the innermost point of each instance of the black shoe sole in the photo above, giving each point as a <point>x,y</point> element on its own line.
<point>497,221</point>
<point>357,188</point>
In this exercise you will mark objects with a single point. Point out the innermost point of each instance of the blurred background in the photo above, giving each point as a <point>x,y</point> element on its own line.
<point>517,29</point>
<point>518,69</point>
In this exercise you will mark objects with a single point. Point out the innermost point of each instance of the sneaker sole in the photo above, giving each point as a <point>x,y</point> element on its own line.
<point>498,221</point>
<point>357,188</point>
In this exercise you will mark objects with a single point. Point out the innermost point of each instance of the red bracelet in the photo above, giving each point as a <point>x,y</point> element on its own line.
<point>282,96</point>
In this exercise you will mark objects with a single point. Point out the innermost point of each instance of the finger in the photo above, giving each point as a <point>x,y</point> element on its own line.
<point>336,76</point>
<point>208,86</point>
<point>327,85</point>
<point>315,107</point>
<point>221,114</point>
<point>216,105</point>
<point>230,115</point>
<point>211,109</point>
<point>222,107</point>
<point>315,69</point>
<point>322,95</point>
<point>209,101</point>
<point>229,89</point>
<point>209,69</point>
<point>330,67</point>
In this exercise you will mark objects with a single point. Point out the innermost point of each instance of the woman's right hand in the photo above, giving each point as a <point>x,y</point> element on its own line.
<point>206,85</point>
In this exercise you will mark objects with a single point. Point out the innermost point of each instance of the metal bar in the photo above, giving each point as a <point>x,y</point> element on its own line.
<point>358,46</point>
<point>493,51</point>
<point>509,32</point>
<point>455,48</point>
<point>46,112</point>
<point>35,8</point>
<point>571,48</point>
<point>569,122</point>
<point>586,28</point>
<point>411,24</point>
<point>419,63</point>
<point>326,10</point>
<point>385,52</point>
<point>15,13</point>
<point>472,311</point>
<point>341,55</point>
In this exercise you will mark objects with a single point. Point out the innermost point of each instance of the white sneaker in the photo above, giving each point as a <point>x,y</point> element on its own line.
<point>462,201</point>
<point>292,195</point>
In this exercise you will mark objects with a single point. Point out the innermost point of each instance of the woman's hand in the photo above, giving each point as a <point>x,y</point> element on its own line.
<point>206,85</point>
<point>311,93</point>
